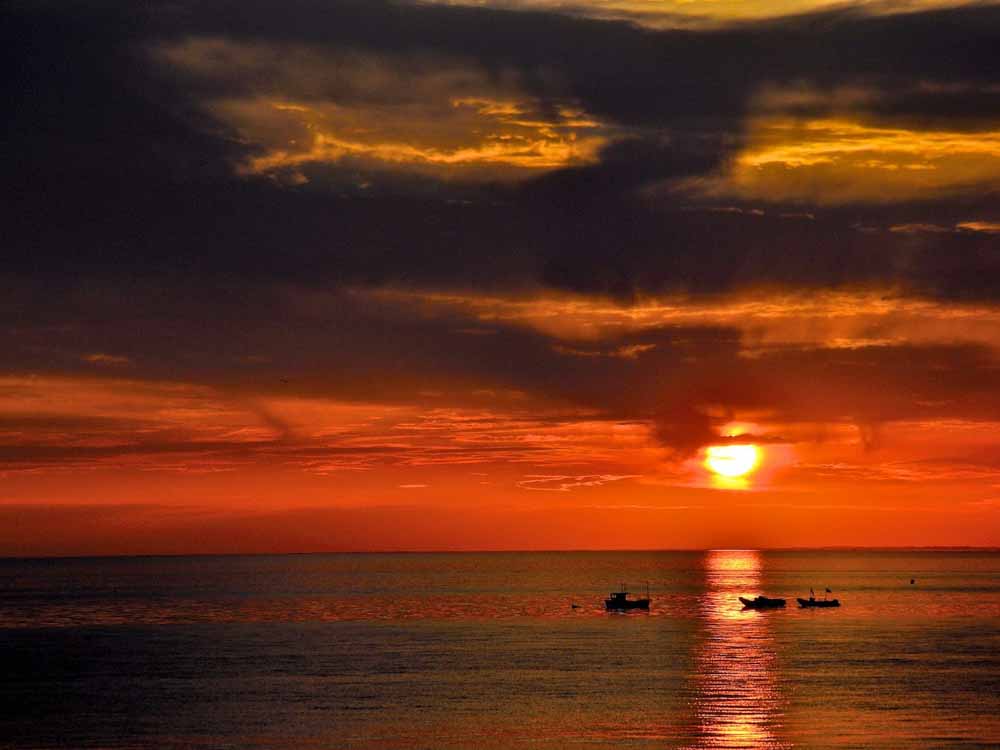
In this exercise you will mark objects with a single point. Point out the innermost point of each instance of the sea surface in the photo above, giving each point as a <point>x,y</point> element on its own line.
<point>380,651</point>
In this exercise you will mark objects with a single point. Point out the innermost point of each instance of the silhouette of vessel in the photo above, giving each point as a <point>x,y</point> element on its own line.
<point>812,601</point>
<point>618,601</point>
<point>762,602</point>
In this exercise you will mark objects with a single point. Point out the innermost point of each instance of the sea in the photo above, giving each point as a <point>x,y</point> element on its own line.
<point>486,650</point>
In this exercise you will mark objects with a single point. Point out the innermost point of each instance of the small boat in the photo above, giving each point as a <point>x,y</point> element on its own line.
<point>814,602</point>
<point>618,601</point>
<point>762,602</point>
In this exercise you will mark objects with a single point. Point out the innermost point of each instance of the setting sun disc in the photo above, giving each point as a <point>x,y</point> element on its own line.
<point>732,460</point>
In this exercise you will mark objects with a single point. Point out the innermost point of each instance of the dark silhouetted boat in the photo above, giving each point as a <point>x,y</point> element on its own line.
<point>814,602</point>
<point>618,601</point>
<point>762,602</point>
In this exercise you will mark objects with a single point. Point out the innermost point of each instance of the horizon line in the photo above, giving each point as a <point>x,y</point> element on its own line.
<point>825,548</point>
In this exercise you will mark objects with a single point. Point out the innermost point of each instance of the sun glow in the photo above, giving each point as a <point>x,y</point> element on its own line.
<point>732,460</point>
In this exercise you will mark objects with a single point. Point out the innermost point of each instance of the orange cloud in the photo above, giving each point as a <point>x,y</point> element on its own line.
<point>663,14</point>
<point>989,227</point>
<point>515,144</point>
<point>835,320</point>
<point>832,161</point>
<point>418,114</point>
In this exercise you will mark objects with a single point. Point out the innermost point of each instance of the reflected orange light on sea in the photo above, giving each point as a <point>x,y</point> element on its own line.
<point>738,697</point>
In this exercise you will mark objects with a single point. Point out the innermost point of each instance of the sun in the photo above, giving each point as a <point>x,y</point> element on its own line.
<point>732,460</point>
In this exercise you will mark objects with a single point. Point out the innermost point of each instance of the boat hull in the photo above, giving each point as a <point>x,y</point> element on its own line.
<point>818,603</point>
<point>762,602</point>
<point>619,606</point>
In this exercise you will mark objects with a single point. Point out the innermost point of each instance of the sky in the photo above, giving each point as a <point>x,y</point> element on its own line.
<point>324,275</point>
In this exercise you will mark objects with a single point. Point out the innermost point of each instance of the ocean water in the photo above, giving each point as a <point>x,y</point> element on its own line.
<point>431,651</point>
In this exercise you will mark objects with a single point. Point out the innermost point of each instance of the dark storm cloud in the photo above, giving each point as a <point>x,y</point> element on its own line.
<point>292,340</point>
<point>630,247</point>
<point>684,382</point>
<point>116,169</point>
<point>630,74</point>
<point>129,236</point>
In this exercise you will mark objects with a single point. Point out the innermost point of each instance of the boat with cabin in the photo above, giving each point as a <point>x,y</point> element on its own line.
<point>618,601</point>
<point>813,602</point>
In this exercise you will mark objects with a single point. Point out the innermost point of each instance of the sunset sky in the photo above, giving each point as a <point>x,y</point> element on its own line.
<point>500,274</point>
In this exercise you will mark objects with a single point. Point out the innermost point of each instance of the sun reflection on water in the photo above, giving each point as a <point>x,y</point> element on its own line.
<point>738,700</point>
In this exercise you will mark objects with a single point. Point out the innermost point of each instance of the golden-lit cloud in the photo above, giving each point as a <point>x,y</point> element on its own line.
<point>681,13</point>
<point>984,227</point>
<point>507,143</point>
<point>423,114</point>
<point>831,161</point>
<point>833,320</point>
<point>988,227</point>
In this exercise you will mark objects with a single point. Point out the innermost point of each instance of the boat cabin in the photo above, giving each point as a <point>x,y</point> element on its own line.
<point>618,600</point>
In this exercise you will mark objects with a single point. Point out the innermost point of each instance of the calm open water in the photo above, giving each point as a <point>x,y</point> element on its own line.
<point>484,651</point>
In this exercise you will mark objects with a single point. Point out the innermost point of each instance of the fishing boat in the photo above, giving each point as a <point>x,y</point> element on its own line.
<point>618,601</point>
<point>762,602</point>
<point>814,602</point>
